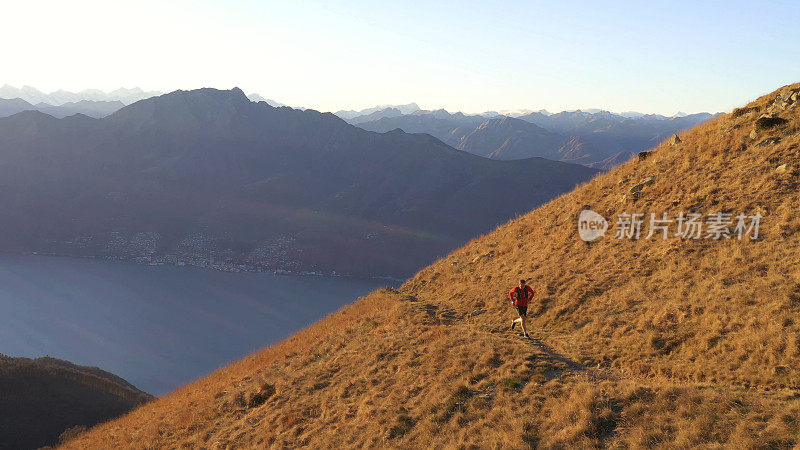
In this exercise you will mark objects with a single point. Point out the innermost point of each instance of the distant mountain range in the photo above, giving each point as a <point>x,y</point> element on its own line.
<point>40,399</point>
<point>210,178</point>
<point>597,139</point>
<point>592,137</point>
<point>60,97</point>
<point>402,109</point>
<point>119,97</point>
<point>91,108</point>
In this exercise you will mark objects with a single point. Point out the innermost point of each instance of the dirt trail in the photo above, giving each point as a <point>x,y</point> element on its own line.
<point>572,365</point>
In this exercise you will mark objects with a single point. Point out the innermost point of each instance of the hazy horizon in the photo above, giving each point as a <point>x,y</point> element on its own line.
<point>380,105</point>
<point>471,57</point>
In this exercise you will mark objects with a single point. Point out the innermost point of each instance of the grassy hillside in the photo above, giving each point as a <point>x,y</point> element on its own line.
<point>637,343</point>
<point>40,399</point>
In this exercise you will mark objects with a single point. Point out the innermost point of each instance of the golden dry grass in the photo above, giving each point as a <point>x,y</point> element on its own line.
<point>678,343</point>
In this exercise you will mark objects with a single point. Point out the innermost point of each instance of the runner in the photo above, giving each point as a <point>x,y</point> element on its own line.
<point>521,297</point>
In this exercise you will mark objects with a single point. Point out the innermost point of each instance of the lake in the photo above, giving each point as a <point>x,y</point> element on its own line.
<point>159,327</point>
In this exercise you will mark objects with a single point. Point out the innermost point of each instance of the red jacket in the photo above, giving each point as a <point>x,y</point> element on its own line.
<point>520,297</point>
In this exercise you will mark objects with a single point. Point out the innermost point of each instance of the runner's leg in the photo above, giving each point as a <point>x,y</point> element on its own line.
<point>523,314</point>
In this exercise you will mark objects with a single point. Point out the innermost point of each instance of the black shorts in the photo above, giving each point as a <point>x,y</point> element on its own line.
<point>523,310</point>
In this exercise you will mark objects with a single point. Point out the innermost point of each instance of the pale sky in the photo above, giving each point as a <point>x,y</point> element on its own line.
<point>472,56</point>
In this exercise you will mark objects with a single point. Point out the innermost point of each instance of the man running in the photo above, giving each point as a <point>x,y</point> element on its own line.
<point>520,297</point>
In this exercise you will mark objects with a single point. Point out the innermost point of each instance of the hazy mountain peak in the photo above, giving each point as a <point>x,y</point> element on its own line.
<point>514,112</point>
<point>16,102</point>
<point>8,92</point>
<point>32,115</point>
<point>79,117</point>
<point>352,114</point>
<point>205,110</point>
<point>234,94</point>
<point>258,98</point>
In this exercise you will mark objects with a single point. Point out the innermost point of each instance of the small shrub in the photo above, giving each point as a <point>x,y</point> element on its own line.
<point>320,385</point>
<point>794,296</point>
<point>511,383</point>
<point>403,426</point>
<point>258,398</point>
<point>478,377</point>
<point>768,122</point>
<point>456,402</point>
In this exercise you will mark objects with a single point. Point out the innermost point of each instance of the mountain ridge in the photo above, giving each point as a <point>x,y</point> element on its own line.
<point>210,178</point>
<point>508,138</point>
<point>60,97</point>
<point>92,108</point>
<point>605,138</point>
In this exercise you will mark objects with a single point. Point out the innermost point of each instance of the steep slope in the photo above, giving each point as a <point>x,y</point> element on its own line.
<point>639,343</point>
<point>209,178</point>
<point>41,398</point>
